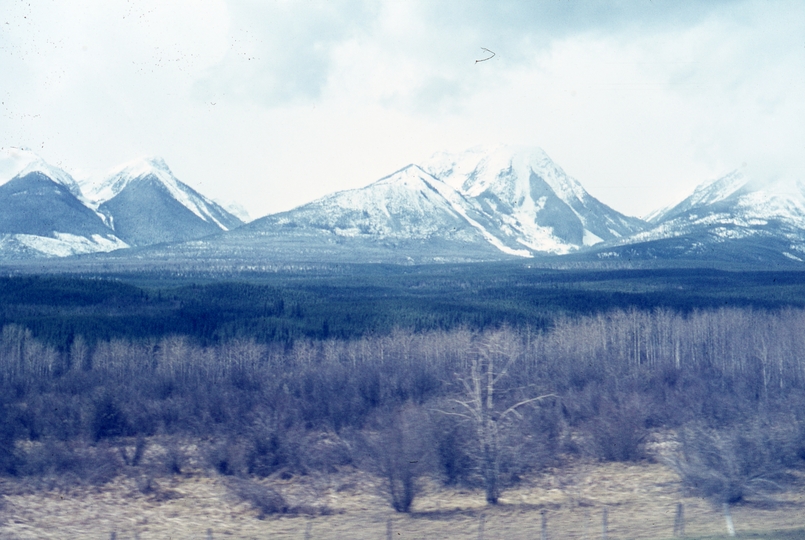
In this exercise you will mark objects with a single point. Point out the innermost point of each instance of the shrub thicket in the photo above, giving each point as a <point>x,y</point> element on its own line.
<point>296,408</point>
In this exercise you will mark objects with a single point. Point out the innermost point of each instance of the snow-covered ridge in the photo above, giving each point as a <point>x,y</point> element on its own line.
<point>479,169</point>
<point>154,167</point>
<point>536,202</point>
<point>712,191</point>
<point>414,175</point>
<point>741,198</point>
<point>513,199</point>
<point>735,207</point>
<point>21,161</point>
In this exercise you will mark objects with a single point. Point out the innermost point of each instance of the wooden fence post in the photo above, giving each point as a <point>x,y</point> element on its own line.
<point>728,519</point>
<point>586,525</point>
<point>544,528</point>
<point>481,524</point>
<point>679,520</point>
<point>604,523</point>
<point>389,530</point>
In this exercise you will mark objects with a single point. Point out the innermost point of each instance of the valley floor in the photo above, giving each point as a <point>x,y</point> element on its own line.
<point>640,501</point>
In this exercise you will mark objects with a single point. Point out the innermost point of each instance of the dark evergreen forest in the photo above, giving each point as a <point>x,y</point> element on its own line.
<point>358,301</point>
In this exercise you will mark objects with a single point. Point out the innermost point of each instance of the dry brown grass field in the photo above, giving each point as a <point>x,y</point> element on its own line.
<point>640,501</point>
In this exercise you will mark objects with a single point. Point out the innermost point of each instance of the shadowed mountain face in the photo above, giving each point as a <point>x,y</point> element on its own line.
<point>145,213</point>
<point>34,204</point>
<point>147,205</point>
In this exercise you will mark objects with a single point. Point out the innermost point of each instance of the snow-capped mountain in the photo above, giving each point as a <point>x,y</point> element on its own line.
<point>20,161</point>
<point>732,217</point>
<point>146,204</point>
<point>484,204</point>
<point>408,215</point>
<point>42,213</point>
<point>531,199</point>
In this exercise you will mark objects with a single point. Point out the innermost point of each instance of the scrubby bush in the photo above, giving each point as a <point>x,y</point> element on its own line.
<point>227,457</point>
<point>618,431</point>
<point>398,446</point>
<point>265,500</point>
<point>452,445</point>
<point>71,463</point>
<point>733,464</point>
<point>108,419</point>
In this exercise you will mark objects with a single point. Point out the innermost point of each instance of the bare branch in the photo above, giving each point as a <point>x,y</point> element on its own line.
<point>476,415</point>
<point>504,371</point>
<point>513,408</point>
<point>468,417</point>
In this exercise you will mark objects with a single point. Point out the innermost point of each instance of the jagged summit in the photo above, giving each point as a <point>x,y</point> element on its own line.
<point>148,169</point>
<point>475,169</point>
<point>535,201</point>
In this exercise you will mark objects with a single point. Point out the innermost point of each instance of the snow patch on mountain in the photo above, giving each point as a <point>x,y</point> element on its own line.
<point>60,244</point>
<point>155,167</point>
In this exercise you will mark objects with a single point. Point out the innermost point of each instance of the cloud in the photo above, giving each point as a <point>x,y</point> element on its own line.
<point>274,103</point>
<point>280,52</point>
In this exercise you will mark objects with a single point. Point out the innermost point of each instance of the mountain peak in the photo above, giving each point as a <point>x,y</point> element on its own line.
<point>16,161</point>
<point>537,202</point>
<point>146,165</point>
<point>408,172</point>
<point>504,169</point>
<point>120,177</point>
<point>738,194</point>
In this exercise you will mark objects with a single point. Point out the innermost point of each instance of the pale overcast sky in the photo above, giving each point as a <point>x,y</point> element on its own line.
<point>275,103</point>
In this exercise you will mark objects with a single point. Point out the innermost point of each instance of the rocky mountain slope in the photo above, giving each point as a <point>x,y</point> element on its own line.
<point>531,198</point>
<point>734,217</point>
<point>42,211</point>
<point>146,204</point>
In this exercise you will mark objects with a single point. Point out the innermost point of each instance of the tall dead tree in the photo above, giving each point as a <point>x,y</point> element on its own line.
<point>494,357</point>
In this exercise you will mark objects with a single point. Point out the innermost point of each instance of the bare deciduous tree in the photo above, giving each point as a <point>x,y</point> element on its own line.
<point>495,356</point>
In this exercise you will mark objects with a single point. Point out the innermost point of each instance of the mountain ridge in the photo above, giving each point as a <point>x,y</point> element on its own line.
<point>488,203</point>
<point>45,213</point>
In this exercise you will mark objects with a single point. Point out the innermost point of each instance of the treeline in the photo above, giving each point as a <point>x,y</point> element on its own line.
<point>606,382</point>
<point>283,308</point>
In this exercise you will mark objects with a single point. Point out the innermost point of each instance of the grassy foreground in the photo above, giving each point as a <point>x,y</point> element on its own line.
<point>640,502</point>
